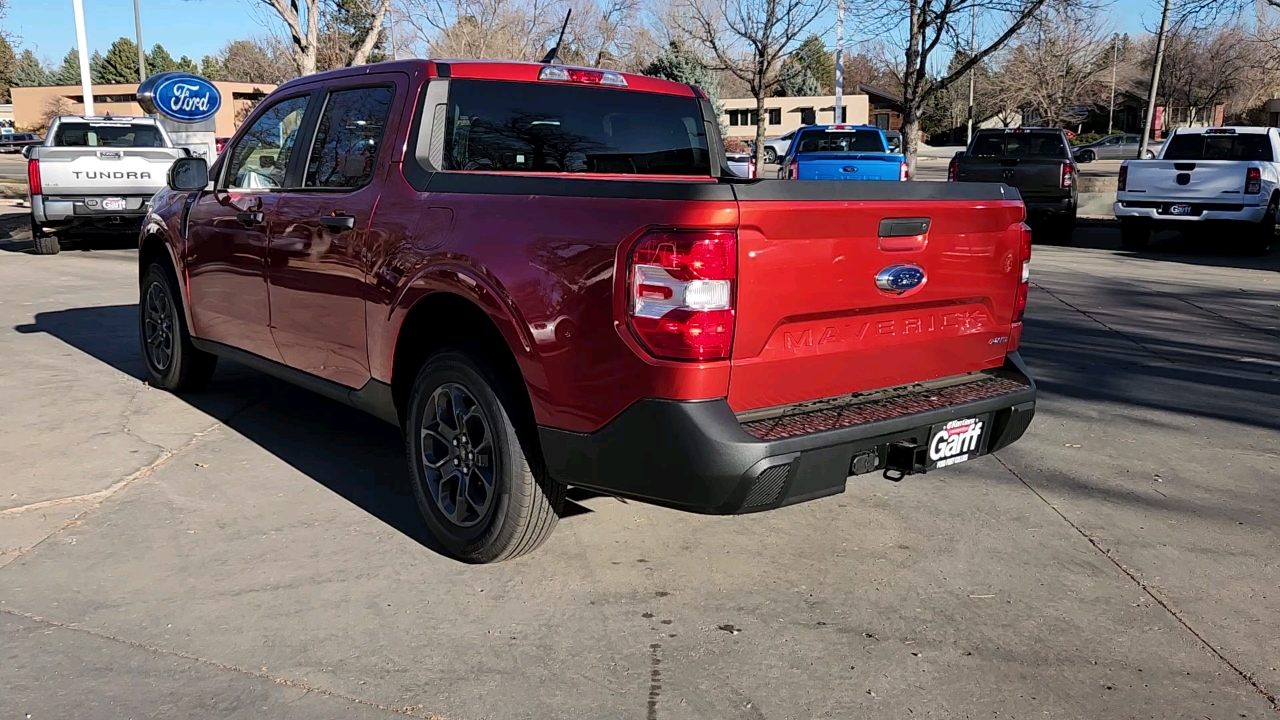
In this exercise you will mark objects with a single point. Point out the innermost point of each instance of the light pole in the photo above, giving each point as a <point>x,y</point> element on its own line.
<point>1115,57</point>
<point>973,41</point>
<point>839,61</point>
<point>86,84</point>
<point>142,56</point>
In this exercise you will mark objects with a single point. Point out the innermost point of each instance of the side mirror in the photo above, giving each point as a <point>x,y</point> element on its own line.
<point>266,162</point>
<point>189,173</point>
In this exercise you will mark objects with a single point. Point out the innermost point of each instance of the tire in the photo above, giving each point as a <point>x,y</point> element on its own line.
<point>461,421</point>
<point>173,363</point>
<point>43,244</point>
<point>1262,237</point>
<point>1134,234</point>
<point>1149,155</point>
<point>770,156</point>
<point>1088,156</point>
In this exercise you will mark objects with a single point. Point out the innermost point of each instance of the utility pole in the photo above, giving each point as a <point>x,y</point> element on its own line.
<point>973,41</point>
<point>86,84</point>
<point>1155,78</point>
<point>142,56</point>
<point>839,61</point>
<point>391,34</point>
<point>1115,57</point>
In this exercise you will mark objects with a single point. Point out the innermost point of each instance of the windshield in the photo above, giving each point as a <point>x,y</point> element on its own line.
<point>1203,146</point>
<point>543,127</point>
<point>107,134</point>
<point>868,141</point>
<point>1020,145</point>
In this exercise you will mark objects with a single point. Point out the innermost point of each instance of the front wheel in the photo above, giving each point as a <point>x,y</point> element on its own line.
<point>1149,155</point>
<point>482,492</point>
<point>173,363</point>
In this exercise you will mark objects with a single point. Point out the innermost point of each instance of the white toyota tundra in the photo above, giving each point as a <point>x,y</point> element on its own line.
<point>1226,177</point>
<point>95,173</point>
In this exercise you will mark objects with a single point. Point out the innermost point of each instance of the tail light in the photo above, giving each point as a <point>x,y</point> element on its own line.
<point>751,169</point>
<point>1067,176</point>
<point>953,171</point>
<point>1123,180</point>
<point>33,177</point>
<point>560,73</point>
<point>1024,283</point>
<point>1253,181</point>
<point>793,170</point>
<point>903,172</point>
<point>682,293</point>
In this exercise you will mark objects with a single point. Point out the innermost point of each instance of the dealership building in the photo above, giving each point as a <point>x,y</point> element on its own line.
<point>33,105</point>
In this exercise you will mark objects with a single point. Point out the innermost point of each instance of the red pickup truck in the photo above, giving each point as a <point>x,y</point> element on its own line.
<point>547,276</point>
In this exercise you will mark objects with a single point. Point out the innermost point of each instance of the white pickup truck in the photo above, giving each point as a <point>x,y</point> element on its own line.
<point>1220,176</point>
<point>95,173</point>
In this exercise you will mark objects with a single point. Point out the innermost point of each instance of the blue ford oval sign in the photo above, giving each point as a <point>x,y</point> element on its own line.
<point>180,96</point>
<point>899,279</point>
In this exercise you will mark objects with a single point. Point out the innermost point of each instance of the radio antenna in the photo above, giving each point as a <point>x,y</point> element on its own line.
<point>553,55</point>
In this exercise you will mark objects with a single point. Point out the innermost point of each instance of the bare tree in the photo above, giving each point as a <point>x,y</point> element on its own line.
<point>1058,65</point>
<point>302,20</point>
<point>748,39</point>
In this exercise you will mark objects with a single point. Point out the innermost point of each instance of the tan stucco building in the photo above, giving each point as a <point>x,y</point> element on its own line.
<point>784,114</point>
<point>32,104</point>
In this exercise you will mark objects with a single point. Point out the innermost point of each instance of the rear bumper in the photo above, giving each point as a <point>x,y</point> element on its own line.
<point>698,456</point>
<point>1245,213</point>
<point>62,211</point>
<point>1046,207</point>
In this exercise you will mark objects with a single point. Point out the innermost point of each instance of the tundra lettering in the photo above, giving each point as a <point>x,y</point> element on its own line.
<point>111,175</point>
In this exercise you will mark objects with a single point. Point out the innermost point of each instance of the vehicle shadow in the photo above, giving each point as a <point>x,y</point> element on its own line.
<point>1186,248</point>
<point>355,455</point>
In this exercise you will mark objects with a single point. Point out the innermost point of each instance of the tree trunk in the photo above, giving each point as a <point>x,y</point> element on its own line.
<point>371,40</point>
<point>910,135</point>
<point>760,117</point>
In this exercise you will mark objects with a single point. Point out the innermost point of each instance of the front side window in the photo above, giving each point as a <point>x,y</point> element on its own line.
<point>545,127</point>
<point>348,137</point>
<point>107,134</point>
<point>261,157</point>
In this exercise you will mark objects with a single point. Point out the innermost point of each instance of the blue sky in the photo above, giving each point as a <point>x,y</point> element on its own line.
<point>201,27</point>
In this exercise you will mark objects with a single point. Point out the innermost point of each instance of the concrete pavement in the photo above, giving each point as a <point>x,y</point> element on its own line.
<point>253,551</point>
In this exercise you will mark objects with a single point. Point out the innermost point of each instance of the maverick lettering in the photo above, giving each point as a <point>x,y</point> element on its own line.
<point>110,175</point>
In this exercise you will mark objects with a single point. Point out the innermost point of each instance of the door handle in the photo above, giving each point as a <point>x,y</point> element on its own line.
<point>338,223</point>
<point>249,219</point>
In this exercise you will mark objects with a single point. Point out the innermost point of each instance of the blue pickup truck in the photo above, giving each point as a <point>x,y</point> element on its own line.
<point>841,152</point>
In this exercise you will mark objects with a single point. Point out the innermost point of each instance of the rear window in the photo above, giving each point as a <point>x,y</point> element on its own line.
<point>812,141</point>
<point>1020,145</point>
<point>543,127</point>
<point>1201,146</point>
<point>105,134</point>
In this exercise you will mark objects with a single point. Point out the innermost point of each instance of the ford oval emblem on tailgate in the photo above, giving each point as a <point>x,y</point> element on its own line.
<point>899,279</point>
<point>849,169</point>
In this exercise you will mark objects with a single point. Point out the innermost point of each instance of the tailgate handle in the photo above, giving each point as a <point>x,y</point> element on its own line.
<point>904,227</point>
<point>1184,167</point>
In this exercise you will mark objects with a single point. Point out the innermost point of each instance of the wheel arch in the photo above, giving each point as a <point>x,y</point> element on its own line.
<point>154,246</point>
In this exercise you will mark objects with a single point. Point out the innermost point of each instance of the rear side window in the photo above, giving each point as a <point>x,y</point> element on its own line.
<point>1202,146</point>
<point>107,134</point>
<point>348,138</point>
<point>543,127</point>
<point>840,141</point>
<point>1020,145</point>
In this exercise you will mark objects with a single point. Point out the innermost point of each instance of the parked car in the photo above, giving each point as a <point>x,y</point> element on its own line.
<point>1036,161</point>
<point>841,152</point>
<point>544,277</point>
<point>1113,147</point>
<point>777,148</point>
<point>15,142</point>
<point>1226,177</point>
<point>95,173</point>
<point>742,164</point>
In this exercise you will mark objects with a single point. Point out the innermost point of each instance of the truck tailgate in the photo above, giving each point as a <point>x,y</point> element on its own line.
<point>104,171</point>
<point>812,322</point>
<point>1206,180</point>
<point>848,166</point>
<point>1034,177</point>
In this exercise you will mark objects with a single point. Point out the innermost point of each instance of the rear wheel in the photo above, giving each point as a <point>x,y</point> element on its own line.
<point>43,244</point>
<point>1263,235</point>
<point>482,491</point>
<point>173,363</point>
<point>1135,234</point>
<point>770,156</point>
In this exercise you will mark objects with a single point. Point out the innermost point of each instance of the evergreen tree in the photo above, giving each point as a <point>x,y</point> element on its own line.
<point>68,73</point>
<point>120,64</point>
<point>96,62</point>
<point>211,68</point>
<point>159,60</point>
<point>796,80</point>
<point>678,64</point>
<point>8,66</point>
<point>29,72</point>
<point>814,57</point>
<point>186,65</point>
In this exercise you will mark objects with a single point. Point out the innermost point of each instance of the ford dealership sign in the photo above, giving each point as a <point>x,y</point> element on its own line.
<point>180,96</point>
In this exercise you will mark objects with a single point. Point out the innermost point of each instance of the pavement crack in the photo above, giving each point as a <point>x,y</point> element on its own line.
<point>1245,325</point>
<point>127,418</point>
<point>1159,599</point>
<point>1122,334</point>
<point>409,711</point>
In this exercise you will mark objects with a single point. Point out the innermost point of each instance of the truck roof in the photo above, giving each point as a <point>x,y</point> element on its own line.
<point>1225,130</point>
<point>107,118</point>
<point>841,126</point>
<point>509,70</point>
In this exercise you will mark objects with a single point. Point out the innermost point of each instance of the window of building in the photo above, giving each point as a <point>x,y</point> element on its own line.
<point>348,138</point>
<point>881,120</point>
<point>808,116</point>
<point>775,116</point>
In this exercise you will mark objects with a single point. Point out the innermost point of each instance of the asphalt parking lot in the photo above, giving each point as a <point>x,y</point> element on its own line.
<point>253,551</point>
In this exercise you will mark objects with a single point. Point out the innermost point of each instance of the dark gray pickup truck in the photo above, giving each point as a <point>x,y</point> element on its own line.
<point>1036,161</point>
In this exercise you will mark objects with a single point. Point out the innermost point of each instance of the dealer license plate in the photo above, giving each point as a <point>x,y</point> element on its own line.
<point>1180,210</point>
<point>956,441</point>
<point>113,204</point>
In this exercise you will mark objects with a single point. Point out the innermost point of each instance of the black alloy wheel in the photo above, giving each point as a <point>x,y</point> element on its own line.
<point>458,455</point>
